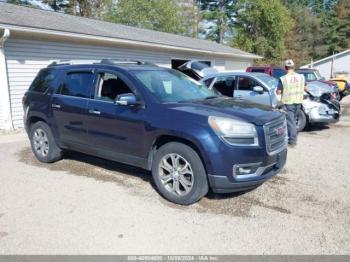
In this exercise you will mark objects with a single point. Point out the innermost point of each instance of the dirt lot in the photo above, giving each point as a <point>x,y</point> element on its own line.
<point>87,205</point>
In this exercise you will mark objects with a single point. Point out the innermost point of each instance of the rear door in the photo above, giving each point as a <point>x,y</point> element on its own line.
<point>244,90</point>
<point>69,107</point>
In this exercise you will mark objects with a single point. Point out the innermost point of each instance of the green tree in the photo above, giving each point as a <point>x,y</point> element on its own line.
<point>343,25</point>
<point>160,15</point>
<point>261,27</point>
<point>303,40</point>
<point>219,15</point>
<point>190,10</point>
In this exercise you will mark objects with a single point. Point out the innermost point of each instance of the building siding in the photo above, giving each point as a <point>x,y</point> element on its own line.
<point>25,58</point>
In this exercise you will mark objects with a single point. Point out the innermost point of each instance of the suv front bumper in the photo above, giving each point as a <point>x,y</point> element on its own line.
<point>222,184</point>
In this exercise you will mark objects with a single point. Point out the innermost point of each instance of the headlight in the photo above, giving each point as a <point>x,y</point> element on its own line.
<point>234,132</point>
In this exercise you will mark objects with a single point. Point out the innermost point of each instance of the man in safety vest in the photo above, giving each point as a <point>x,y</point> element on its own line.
<point>291,87</point>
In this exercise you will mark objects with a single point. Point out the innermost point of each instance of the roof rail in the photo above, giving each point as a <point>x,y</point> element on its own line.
<point>125,61</point>
<point>70,62</point>
<point>103,61</point>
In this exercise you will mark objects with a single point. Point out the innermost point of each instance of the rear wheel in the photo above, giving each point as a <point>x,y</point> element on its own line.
<point>43,144</point>
<point>179,174</point>
<point>301,121</point>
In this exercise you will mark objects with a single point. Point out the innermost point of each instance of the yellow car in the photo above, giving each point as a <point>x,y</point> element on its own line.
<point>343,85</point>
<point>341,81</point>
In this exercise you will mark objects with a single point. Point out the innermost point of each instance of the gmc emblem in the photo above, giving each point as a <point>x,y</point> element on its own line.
<point>280,130</point>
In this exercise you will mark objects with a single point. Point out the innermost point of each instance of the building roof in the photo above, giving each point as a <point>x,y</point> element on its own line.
<point>16,17</point>
<point>328,58</point>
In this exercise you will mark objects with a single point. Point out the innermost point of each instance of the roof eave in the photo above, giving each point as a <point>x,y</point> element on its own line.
<point>81,36</point>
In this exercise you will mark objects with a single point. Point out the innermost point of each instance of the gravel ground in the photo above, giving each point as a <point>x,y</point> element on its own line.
<point>85,205</point>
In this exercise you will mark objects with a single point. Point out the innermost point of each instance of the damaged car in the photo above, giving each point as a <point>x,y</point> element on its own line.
<point>319,105</point>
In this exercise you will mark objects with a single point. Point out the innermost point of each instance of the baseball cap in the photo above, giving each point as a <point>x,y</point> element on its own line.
<point>289,63</point>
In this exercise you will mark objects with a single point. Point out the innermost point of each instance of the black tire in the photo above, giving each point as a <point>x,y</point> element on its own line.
<point>199,183</point>
<point>302,121</point>
<point>54,153</point>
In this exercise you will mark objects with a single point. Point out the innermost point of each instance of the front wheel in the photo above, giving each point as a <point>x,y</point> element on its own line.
<point>179,174</point>
<point>301,121</point>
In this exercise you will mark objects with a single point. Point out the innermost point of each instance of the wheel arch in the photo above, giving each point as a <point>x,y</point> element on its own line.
<point>164,139</point>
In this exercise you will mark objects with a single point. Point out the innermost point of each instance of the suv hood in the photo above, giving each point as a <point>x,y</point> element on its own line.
<point>229,107</point>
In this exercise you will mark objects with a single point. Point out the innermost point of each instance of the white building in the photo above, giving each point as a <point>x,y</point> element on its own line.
<point>341,63</point>
<point>30,39</point>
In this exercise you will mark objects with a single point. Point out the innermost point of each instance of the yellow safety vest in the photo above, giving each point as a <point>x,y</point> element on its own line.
<point>293,88</point>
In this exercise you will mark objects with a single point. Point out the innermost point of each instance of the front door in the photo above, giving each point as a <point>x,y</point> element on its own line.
<point>245,91</point>
<point>115,131</point>
<point>69,107</point>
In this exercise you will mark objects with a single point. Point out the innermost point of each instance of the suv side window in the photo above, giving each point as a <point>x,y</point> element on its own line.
<point>43,81</point>
<point>76,84</point>
<point>246,83</point>
<point>109,86</point>
<point>225,85</point>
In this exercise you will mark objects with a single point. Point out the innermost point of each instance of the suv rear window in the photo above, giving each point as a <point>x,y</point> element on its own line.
<point>42,81</point>
<point>77,84</point>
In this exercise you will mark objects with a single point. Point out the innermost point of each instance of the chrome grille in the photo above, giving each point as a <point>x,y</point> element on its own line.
<point>276,136</point>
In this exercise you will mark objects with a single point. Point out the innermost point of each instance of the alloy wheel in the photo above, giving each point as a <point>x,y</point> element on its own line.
<point>41,142</point>
<point>176,174</point>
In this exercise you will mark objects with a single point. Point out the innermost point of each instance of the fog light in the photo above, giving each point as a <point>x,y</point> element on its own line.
<point>245,169</point>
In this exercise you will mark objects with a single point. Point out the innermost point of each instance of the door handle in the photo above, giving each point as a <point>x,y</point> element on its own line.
<point>95,112</point>
<point>56,106</point>
<point>239,97</point>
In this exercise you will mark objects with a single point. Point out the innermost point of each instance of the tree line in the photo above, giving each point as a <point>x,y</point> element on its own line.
<point>275,29</point>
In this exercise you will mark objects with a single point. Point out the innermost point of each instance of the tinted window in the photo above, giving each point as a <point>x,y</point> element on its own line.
<point>246,83</point>
<point>77,84</point>
<point>172,86</point>
<point>43,81</point>
<point>258,70</point>
<point>110,86</point>
<point>225,85</point>
<point>278,73</point>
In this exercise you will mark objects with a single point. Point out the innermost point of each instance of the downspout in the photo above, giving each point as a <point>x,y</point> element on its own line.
<point>4,86</point>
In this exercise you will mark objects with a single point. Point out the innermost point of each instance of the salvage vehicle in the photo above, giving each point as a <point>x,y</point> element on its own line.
<point>318,107</point>
<point>159,119</point>
<point>313,76</point>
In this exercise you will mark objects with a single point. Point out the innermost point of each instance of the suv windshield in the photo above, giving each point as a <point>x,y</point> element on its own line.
<point>172,86</point>
<point>270,81</point>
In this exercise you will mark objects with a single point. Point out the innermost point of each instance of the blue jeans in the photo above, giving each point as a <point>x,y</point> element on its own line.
<point>292,111</point>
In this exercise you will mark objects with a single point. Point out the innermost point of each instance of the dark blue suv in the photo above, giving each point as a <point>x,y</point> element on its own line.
<point>158,119</point>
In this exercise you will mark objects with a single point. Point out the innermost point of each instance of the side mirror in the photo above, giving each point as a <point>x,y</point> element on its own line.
<point>322,78</point>
<point>258,89</point>
<point>127,99</point>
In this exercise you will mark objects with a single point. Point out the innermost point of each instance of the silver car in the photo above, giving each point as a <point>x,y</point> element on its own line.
<point>318,105</point>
